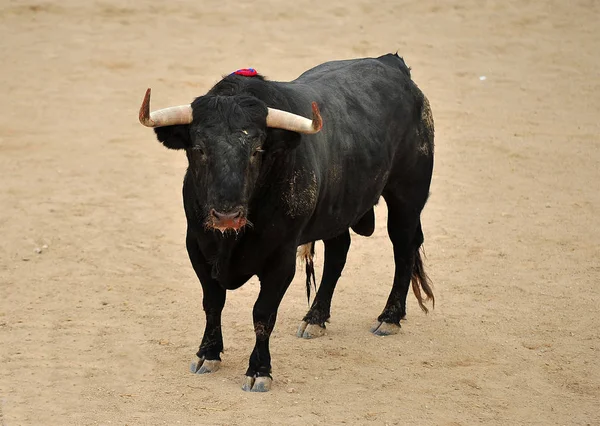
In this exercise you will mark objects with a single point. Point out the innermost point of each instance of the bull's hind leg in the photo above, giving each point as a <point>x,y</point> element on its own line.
<point>404,229</point>
<point>336,250</point>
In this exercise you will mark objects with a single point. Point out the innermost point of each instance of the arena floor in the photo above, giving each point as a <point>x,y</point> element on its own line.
<point>100,311</point>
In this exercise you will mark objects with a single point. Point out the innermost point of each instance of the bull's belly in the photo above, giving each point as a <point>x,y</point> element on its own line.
<point>334,217</point>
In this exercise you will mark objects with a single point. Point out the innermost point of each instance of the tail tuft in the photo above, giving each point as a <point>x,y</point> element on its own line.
<point>419,281</point>
<point>306,253</point>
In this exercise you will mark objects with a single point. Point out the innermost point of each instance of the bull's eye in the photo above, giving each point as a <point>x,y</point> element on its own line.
<point>257,152</point>
<point>198,149</point>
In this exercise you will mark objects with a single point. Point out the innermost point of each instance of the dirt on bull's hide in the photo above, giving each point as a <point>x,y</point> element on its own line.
<point>301,196</point>
<point>426,127</point>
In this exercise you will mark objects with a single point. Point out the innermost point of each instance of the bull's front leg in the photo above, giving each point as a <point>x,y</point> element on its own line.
<point>274,281</point>
<point>213,300</point>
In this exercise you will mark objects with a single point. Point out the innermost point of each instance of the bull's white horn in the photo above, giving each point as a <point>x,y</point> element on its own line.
<point>296,123</point>
<point>181,114</point>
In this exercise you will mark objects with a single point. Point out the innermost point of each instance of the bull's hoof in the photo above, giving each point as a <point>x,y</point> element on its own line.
<point>204,366</point>
<point>385,328</point>
<point>257,384</point>
<point>310,331</point>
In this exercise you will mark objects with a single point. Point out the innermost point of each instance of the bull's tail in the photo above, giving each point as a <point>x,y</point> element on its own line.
<point>306,253</point>
<point>420,281</point>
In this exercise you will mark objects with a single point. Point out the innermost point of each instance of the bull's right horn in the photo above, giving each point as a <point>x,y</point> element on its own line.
<point>296,123</point>
<point>181,114</point>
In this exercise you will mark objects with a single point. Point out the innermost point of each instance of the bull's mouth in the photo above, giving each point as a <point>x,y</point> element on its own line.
<point>232,221</point>
<point>228,225</point>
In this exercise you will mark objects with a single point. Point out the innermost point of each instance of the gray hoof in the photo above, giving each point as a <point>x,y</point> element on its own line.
<point>385,329</point>
<point>310,331</point>
<point>204,366</point>
<point>258,384</point>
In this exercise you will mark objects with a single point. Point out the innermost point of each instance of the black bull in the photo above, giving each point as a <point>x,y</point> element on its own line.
<point>253,194</point>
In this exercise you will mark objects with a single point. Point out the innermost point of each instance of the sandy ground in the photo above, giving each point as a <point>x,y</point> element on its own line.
<point>100,327</point>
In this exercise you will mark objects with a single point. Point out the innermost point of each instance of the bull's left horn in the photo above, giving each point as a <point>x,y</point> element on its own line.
<point>181,114</point>
<point>296,123</point>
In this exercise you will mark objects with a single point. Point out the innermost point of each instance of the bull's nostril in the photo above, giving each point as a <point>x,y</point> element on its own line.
<point>235,214</point>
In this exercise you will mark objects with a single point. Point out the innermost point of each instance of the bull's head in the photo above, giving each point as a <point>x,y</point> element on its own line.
<point>224,138</point>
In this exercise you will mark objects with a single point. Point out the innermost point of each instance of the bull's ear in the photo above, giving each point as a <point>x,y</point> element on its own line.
<point>174,137</point>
